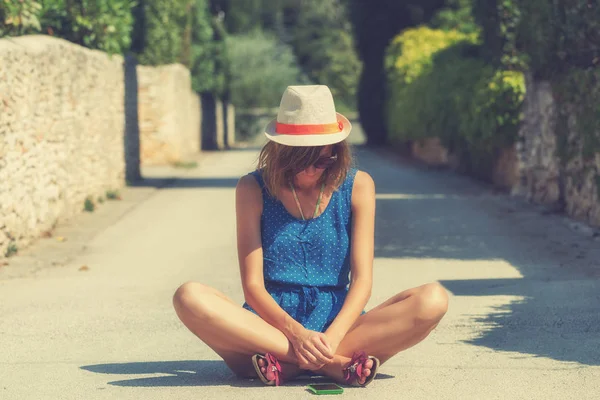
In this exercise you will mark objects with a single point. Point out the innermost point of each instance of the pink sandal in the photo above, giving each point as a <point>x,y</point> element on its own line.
<point>353,372</point>
<point>273,368</point>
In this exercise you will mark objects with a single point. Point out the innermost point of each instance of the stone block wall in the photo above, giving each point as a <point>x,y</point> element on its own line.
<point>61,133</point>
<point>538,164</point>
<point>573,184</point>
<point>74,122</point>
<point>169,115</point>
<point>532,168</point>
<point>431,151</point>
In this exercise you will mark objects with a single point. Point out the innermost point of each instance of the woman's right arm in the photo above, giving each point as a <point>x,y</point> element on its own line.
<point>310,347</point>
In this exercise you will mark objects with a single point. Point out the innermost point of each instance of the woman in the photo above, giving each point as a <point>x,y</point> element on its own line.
<point>305,229</point>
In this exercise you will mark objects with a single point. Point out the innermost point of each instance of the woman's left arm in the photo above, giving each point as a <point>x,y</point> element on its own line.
<point>361,258</point>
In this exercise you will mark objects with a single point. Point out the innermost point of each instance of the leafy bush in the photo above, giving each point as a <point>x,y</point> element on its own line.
<point>558,41</point>
<point>375,23</point>
<point>322,41</point>
<point>500,21</point>
<point>19,17</point>
<point>261,68</point>
<point>202,48</point>
<point>547,37</point>
<point>456,15</point>
<point>163,31</point>
<point>97,24</point>
<point>440,87</point>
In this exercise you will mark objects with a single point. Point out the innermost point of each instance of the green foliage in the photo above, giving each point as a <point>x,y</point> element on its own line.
<point>560,34</point>
<point>500,20</point>
<point>11,250</point>
<point>577,93</point>
<point>441,87</point>
<point>457,15</point>
<point>323,43</point>
<point>558,41</point>
<point>19,17</point>
<point>242,16</point>
<point>547,37</point>
<point>165,22</point>
<point>98,24</point>
<point>88,204</point>
<point>113,195</point>
<point>220,56</point>
<point>410,55</point>
<point>246,16</point>
<point>261,68</point>
<point>185,164</point>
<point>203,49</point>
<point>374,26</point>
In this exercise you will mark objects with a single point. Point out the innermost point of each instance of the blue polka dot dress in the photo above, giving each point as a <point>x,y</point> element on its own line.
<point>307,263</point>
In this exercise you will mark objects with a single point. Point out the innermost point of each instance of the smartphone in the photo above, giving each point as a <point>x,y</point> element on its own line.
<point>325,388</point>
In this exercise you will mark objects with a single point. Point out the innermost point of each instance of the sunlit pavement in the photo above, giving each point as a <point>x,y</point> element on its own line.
<point>523,320</point>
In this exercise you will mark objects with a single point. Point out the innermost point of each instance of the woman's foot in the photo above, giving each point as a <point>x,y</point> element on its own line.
<point>275,372</point>
<point>343,367</point>
<point>366,372</point>
<point>361,370</point>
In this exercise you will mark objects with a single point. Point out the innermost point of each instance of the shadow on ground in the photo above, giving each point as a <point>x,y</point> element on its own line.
<point>187,373</point>
<point>186,183</point>
<point>436,214</point>
<point>428,214</point>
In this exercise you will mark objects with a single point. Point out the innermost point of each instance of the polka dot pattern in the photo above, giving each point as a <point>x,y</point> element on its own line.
<point>307,263</point>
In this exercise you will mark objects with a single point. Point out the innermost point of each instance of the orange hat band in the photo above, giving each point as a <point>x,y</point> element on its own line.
<point>291,129</point>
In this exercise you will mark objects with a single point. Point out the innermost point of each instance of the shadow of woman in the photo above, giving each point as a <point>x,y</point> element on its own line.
<point>186,373</point>
<point>172,373</point>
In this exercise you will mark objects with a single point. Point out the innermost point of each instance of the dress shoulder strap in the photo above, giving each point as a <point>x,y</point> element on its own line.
<point>347,186</point>
<point>257,174</point>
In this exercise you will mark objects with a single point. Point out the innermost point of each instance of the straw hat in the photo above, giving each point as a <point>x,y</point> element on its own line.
<point>307,117</point>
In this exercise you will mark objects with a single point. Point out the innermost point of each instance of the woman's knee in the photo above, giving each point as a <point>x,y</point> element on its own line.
<point>432,301</point>
<point>191,297</point>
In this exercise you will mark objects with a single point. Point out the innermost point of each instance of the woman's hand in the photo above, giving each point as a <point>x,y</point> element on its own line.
<point>312,349</point>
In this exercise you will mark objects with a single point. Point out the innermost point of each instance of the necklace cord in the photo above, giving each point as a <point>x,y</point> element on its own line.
<point>298,201</point>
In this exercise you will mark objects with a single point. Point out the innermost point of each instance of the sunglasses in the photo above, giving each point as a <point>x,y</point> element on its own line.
<point>322,163</point>
<point>325,162</point>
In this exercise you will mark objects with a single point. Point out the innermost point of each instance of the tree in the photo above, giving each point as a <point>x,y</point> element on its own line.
<point>375,23</point>
<point>322,41</point>
<point>261,68</point>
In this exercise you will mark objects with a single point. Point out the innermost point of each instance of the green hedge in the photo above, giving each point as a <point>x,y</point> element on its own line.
<point>558,41</point>
<point>375,23</point>
<point>164,27</point>
<point>441,87</point>
<point>260,69</point>
<point>98,24</point>
<point>547,37</point>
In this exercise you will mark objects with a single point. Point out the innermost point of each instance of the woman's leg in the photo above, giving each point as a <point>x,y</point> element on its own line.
<point>395,325</point>
<point>233,332</point>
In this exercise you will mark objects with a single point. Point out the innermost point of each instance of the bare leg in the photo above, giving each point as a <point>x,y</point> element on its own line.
<point>236,334</point>
<point>233,332</point>
<point>395,325</point>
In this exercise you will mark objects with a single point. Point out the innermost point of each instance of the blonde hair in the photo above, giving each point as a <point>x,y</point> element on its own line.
<point>280,163</point>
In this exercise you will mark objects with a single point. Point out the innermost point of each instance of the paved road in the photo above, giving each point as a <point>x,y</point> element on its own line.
<point>524,319</point>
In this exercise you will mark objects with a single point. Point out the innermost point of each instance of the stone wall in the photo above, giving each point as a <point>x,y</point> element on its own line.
<point>61,133</point>
<point>74,122</point>
<point>169,115</point>
<point>574,183</point>
<point>431,151</point>
<point>533,168</point>
<point>538,163</point>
